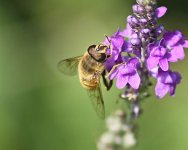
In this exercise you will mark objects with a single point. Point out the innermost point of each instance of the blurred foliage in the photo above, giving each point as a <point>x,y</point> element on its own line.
<point>40,109</point>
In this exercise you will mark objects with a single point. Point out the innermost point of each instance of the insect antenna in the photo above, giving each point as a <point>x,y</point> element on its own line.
<point>108,39</point>
<point>110,44</point>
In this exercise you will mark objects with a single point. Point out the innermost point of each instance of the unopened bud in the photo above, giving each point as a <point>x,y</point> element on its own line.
<point>133,22</point>
<point>143,21</point>
<point>138,9</point>
<point>135,41</point>
<point>145,32</point>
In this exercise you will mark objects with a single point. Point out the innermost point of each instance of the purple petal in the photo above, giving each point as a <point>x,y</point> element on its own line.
<point>163,63</point>
<point>162,42</point>
<point>127,70</point>
<point>178,52</point>
<point>109,63</point>
<point>134,81</point>
<point>172,90</point>
<point>185,44</point>
<point>152,62</point>
<point>121,81</point>
<point>134,35</point>
<point>133,62</point>
<point>171,57</point>
<point>127,32</point>
<point>117,33</point>
<point>154,72</point>
<point>127,47</point>
<point>172,38</point>
<point>165,77</point>
<point>158,51</point>
<point>160,11</point>
<point>176,77</point>
<point>120,59</point>
<point>150,47</point>
<point>115,54</point>
<point>161,89</point>
<point>117,42</point>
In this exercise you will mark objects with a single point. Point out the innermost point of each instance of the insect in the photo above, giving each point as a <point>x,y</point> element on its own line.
<point>90,68</point>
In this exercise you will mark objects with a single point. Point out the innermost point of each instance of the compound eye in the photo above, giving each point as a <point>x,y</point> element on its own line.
<point>97,49</point>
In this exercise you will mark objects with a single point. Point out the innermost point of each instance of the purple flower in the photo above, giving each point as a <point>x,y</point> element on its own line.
<point>175,42</point>
<point>158,56</point>
<point>127,73</point>
<point>138,9</point>
<point>168,49</point>
<point>166,82</point>
<point>147,43</point>
<point>116,44</point>
<point>132,21</point>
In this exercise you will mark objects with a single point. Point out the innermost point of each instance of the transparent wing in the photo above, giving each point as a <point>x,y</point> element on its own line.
<point>69,66</point>
<point>97,101</point>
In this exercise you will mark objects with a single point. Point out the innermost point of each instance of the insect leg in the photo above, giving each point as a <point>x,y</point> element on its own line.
<point>107,83</point>
<point>113,68</point>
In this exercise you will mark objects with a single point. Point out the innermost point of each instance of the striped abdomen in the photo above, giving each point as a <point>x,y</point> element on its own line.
<point>89,71</point>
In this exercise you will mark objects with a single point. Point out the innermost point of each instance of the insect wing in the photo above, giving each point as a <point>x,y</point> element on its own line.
<point>96,98</point>
<point>69,66</point>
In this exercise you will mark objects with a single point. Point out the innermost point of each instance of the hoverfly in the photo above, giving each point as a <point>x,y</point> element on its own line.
<point>90,68</point>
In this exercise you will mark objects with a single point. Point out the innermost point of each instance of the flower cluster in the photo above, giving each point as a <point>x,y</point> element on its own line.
<point>119,134</point>
<point>145,49</point>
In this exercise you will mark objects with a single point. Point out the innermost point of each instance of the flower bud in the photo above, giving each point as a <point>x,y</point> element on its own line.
<point>133,22</point>
<point>138,9</point>
<point>143,21</point>
<point>135,41</point>
<point>145,32</point>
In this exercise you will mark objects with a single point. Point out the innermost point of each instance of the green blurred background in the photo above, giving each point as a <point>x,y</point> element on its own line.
<point>40,109</point>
